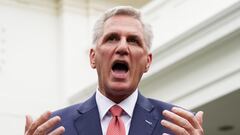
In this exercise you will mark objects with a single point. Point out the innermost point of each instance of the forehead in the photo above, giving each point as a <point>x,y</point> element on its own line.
<point>123,24</point>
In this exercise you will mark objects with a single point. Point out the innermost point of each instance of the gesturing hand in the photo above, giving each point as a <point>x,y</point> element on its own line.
<point>43,125</point>
<point>182,122</point>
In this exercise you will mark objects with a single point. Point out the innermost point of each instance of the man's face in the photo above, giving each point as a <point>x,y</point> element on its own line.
<point>120,57</point>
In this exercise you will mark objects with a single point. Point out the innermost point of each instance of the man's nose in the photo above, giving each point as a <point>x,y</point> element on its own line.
<point>122,47</point>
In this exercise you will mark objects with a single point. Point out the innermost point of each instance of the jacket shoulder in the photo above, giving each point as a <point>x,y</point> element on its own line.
<point>161,105</point>
<point>68,111</point>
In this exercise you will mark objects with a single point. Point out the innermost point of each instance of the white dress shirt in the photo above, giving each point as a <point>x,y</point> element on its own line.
<point>104,104</point>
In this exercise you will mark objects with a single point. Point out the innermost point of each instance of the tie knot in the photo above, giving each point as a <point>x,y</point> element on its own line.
<point>116,110</point>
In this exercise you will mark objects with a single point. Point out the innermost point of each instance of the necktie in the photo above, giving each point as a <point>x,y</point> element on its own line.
<point>116,125</point>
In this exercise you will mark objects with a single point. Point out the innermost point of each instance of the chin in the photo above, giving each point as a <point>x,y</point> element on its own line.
<point>121,88</point>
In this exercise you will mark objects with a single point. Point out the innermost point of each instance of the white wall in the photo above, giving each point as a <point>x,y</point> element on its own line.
<point>29,64</point>
<point>76,72</point>
<point>171,19</point>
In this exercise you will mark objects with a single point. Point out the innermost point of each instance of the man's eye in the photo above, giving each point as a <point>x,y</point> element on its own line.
<point>133,40</point>
<point>112,38</point>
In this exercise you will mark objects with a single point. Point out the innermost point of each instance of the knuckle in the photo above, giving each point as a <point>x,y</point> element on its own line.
<point>184,123</point>
<point>192,116</point>
<point>33,126</point>
<point>40,130</point>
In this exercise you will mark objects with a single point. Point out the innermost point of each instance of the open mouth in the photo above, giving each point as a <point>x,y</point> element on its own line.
<point>120,67</point>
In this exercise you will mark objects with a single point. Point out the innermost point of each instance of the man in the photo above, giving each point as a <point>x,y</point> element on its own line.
<point>121,55</point>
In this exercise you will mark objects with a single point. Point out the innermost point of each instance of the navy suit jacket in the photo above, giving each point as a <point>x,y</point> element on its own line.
<point>83,118</point>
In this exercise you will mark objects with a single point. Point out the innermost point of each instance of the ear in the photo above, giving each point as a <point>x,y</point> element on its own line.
<point>92,58</point>
<point>149,61</point>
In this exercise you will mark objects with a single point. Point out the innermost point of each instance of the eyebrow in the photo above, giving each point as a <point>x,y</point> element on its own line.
<point>137,37</point>
<point>109,34</point>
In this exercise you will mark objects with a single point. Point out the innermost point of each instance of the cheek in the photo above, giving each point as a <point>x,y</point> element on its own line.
<point>103,59</point>
<point>138,70</point>
<point>141,59</point>
<point>140,63</point>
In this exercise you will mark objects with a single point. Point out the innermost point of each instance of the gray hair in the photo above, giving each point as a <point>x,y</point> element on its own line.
<point>122,10</point>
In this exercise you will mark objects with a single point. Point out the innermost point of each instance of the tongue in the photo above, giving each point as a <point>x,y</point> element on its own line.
<point>119,71</point>
<point>121,74</point>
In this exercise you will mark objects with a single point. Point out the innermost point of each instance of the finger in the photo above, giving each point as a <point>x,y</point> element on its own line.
<point>199,117</point>
<point>187,115</point>
<point>29,121</point>
<point>174,128</point>
<point>179,121</point>
<point>45,127</point>
<point>43,118</point>
<point>58,131</point>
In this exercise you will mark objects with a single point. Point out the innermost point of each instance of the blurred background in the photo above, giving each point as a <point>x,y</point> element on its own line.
<point>44,65</point>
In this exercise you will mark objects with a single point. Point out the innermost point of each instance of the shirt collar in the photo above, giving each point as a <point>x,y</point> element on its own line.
<point>104,104</point>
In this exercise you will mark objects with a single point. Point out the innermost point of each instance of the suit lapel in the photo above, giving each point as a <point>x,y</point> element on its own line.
<point>88,122</point>
<point>144,118</point>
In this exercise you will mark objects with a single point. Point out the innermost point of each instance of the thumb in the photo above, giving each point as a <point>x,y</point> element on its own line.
<point>28,123</point>
<point>199,117</point>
